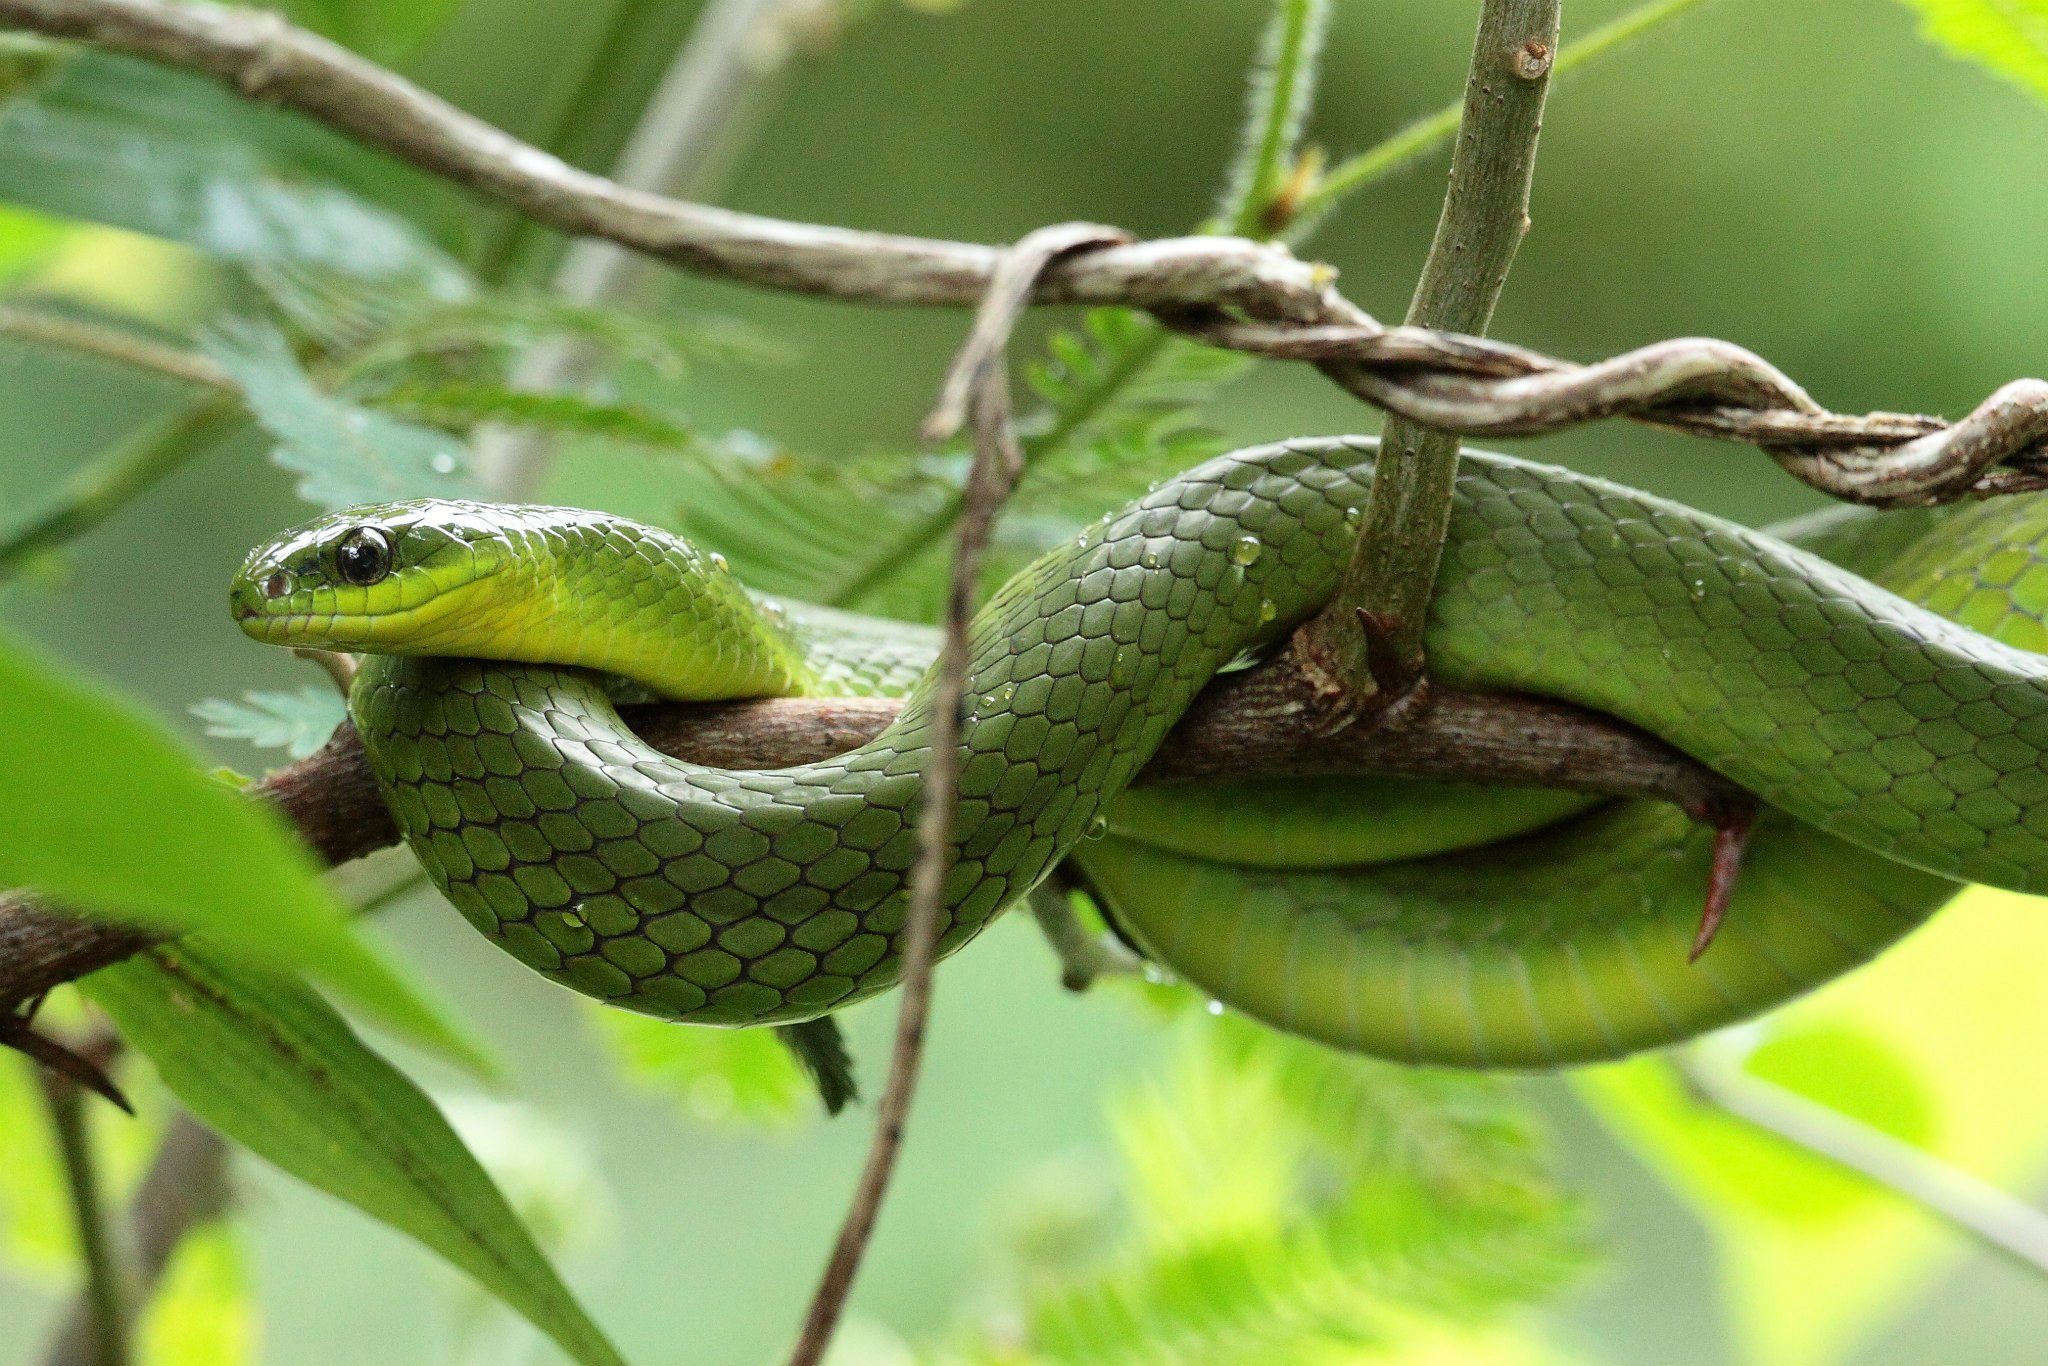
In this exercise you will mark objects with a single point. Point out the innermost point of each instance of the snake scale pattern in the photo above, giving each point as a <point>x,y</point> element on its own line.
<point>1899,753</point>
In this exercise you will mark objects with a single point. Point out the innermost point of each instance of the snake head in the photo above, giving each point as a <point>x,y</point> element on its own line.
<point>383,578</point>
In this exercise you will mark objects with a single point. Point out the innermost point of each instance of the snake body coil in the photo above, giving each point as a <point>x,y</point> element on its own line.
<point>1900,751</point>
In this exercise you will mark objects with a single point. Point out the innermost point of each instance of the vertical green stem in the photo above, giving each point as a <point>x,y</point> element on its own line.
<point>1393,567</point>
<point>104,1300</point>
<point>98,490</point>
<point>1282,90</point>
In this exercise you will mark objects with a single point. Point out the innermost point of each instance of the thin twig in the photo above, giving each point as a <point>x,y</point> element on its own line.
<point>262,57</point>
<point>717,74</point>
<point>96,491</point>
<point>1383,601</point>
<point>976,386</point>
<point>105,1294</point>
<point>1085,955</point>
<point>2000,1221</point>
<point>114,344</point>
<point>1282,93</point>
<point>185,1187</point>
<point>1446,380</point>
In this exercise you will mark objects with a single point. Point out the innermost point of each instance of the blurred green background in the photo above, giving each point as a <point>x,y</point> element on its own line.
<point>1811,181</point>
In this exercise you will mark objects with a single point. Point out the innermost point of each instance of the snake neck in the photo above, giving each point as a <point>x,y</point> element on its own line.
<point>600,593</point>
<point>537,585</point>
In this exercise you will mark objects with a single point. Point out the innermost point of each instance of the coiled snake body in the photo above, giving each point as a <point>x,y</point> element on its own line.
<point>1899,752</point>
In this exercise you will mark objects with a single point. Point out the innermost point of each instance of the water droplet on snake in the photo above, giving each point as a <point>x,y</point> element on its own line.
<point>1098,827</point>
<point>1353,516</point>
<point>1150,559</point>
<point>1267,611</point>
<point>717,560</point>
<point>1245,550</point>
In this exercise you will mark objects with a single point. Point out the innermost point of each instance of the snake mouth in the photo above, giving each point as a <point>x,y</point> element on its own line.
<point>327,630</point>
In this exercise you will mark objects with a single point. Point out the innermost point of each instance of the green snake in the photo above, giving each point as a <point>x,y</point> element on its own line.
<point>1898,737</point>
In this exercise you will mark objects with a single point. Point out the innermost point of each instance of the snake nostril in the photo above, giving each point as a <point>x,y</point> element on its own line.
<point>276,584</point>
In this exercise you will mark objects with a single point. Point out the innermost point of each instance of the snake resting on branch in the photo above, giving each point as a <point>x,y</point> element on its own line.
<point>1896,736</point>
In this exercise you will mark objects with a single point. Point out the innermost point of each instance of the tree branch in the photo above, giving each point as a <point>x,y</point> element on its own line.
<point>1382,604</point>
<point>1261,723</point>
<point>262,57</point>
<point>1441,379</point>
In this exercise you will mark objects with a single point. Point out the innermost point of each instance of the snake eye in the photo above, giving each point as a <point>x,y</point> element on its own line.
<point>363,557</point>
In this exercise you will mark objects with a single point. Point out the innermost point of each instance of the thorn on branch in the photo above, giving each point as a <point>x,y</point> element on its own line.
<point>1400,687</point>
<point>85,1065</point>
<point>1732,821</point>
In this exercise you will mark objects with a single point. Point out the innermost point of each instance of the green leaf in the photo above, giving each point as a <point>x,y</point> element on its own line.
<point>820,1049</point>
<point>732,1076</point>
<point>1924,1044</point>
<point>2007,37</point>
<point>296,722</point>
<point>1291,1204</point>
<point>345,454</point>
<point>138,146</point>
<point>1120,398</point>
<point>36,1235</point>
<point>203,1313</point>
<point>1122,401</point>
<point>462,405</point>
<point>515,322</point>
<point>26,240</point>
<point>823,531</point>
<point>274,1068</point>
<point>122,822</point>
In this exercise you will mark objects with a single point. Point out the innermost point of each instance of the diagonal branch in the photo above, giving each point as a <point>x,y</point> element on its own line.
<point>1230,292</point>
<point>262,57</point>
<point>2002,1222</point>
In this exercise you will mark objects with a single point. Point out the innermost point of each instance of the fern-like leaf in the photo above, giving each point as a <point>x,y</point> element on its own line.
<point>1293,1204</point>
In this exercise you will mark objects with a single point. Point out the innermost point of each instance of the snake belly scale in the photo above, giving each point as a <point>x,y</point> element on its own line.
<point>497,637</point>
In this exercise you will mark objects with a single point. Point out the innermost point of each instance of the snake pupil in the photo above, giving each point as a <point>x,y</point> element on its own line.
<point>363,557</point>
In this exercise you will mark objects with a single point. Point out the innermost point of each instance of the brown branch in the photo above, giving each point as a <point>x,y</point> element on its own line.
<point>976,386</point>
<point>1261,723</point>
<point>262,57</point>
<point>1226,291</point>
